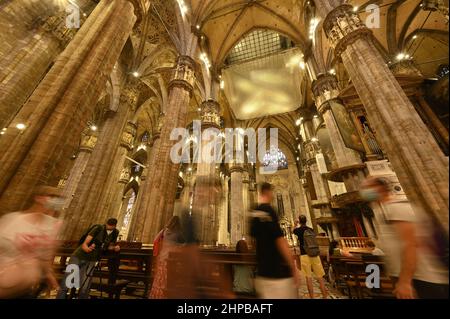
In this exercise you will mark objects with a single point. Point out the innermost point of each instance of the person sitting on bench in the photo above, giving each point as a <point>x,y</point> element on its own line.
<point>95,240</point>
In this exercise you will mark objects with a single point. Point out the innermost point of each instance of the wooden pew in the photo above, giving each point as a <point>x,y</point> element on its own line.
<point>132,265</point>
<point>210,278</point>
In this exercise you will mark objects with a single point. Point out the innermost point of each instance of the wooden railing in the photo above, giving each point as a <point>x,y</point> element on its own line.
<point>354,244</point>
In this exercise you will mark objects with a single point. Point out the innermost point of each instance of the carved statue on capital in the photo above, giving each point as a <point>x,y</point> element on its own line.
<point>128,135</point>
<point>125,175</point>
<point>343,26</point>
<point>129,95</point>
<point>325,88</point>
<point>184,74</point>
<point>88,141</point>
<point>210,113</point>
<point>57,26</point>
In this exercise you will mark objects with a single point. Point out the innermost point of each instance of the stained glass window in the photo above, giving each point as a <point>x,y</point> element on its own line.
<point>127,218</point>
<point>275,158</point>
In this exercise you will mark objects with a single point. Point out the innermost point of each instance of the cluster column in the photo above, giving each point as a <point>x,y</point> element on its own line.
<point>163,176</point>
<point>207,185</point>
<point>420,165</point>
<point>57,111</point>
<point>237,203</point>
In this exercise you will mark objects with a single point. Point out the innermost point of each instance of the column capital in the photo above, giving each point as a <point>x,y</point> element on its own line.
<point>324,88</point>
<point>125,175</point>
<point>210,114</point>
<point>56,25</point>
<point>236,168</point>
<point>343,27</point>
<point>184,74</point>
<point>88,141</point>
<point>128,135</point>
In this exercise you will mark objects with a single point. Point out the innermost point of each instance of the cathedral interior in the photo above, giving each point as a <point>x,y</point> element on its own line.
<point>90,92</point>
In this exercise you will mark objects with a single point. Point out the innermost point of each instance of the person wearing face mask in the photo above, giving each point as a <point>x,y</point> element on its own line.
<point>27,244</point>
<point>406,237</point>
<point>97,238</point>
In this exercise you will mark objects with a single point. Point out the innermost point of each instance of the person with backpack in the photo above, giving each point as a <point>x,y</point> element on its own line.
<point>277,276</point>
<point>94,241</point>
<point>310,257</point>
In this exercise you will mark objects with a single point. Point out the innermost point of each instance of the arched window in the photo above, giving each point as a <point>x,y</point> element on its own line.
<point>127,217</point>
<point>145,137</point>
<point>275,158</point>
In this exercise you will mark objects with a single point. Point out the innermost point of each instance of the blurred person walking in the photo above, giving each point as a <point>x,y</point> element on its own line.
<point>277,277</point>
<point>243,275</point>
<point>310,257</point>
<point>165,242</point>
<point>407,239</point>
<point>97,239</point>
<point>27,244</point>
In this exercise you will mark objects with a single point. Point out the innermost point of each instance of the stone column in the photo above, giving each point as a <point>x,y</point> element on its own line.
<point>311,148</point>
<point>87,204</point>
<point>88,141</point>
<point>420,165</point>
<point>237,203</point>
<point>110,202</point>
<point>23,69</point>
<point>223,227</point>
<point>57,111</point>
<point>206,193</point>
<point>141,206</point>
<point>163,177</point>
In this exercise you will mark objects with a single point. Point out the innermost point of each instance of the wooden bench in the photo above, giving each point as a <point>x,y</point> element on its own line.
<point>208,274</point>
<point>130,268</point>
<point>350,277</point>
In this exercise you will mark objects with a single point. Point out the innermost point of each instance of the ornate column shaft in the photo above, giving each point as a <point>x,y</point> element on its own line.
<point>164,177</point>
<point>142,203</point>
<point>112,199</point>
<point>414,154</point>
<point>237,203</point>
<point>62,103</point>
<point>87,204</point>
<point>206,196</point>
<point>26,64</point>
<point>223,226</point>
<point>88,141</point>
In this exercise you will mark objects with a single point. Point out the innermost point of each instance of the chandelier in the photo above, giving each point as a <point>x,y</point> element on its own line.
<point>275,158</point>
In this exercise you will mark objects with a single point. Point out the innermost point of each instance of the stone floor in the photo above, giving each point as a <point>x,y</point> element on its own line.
<point>333,293</point>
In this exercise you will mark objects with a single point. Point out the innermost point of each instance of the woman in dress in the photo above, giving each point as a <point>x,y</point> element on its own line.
<point>165,242</point>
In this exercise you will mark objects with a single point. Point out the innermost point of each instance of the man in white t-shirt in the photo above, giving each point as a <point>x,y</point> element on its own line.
<point>27,244</point>
<point>405,239</point>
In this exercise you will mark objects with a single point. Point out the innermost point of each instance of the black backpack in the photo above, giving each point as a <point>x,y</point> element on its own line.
<point>83,238</point>
<point>310,243</point>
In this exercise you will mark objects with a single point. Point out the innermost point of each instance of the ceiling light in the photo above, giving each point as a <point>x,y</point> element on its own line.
<point>314,139</point>
<point>298,158</point>
<point>414,36</point>
<point>197,26</point>
<point>93,128</point>
<point>315,116</point>
<point>298,122</point>
<point>136,74</point>
<point>4,129</point>
<point>222,84</point>
<point>302,65</point>
<point>355,9</point>
<point>332,71</point>
<point>2,132</point>
<point>199,109</point>
<point>21,126</point>
<point>400,56</point>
